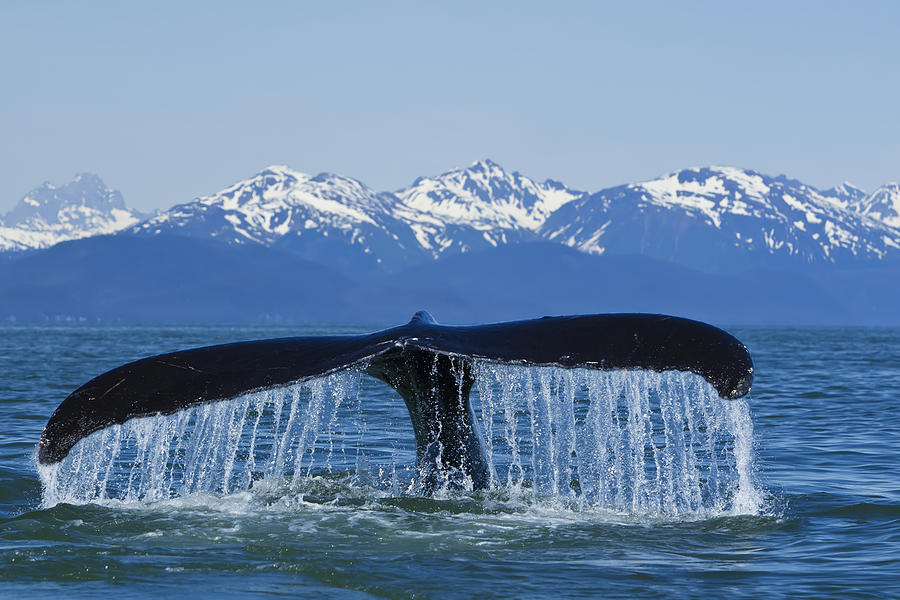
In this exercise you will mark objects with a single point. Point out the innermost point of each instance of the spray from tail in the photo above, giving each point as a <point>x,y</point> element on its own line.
<point>431,366</point>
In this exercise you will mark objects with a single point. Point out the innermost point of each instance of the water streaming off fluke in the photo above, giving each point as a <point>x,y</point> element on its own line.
<point>633,441</point>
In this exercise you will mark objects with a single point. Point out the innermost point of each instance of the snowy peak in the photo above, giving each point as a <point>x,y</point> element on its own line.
<point>847,193</point>
<point>711,217</point>
<point>719,193</point>
<point>485,196</point>
<point>274,202</point>
<point>278,187</point>
<point>334,219</point>
<point>883,204</point>
<point>708,191</point>
<point>479,206</point>
<point>47,205</point>
<point>49,214</point>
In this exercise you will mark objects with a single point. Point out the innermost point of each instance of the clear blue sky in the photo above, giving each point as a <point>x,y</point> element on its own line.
<point>168,101</point>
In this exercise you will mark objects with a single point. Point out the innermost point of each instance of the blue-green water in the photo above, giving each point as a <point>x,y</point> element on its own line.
<point>826,433</point>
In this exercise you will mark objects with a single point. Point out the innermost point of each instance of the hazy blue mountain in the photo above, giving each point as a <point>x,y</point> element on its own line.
<point>531,280</point>
<point>723,219</point>
<point>49,214</point>
<point>169,278</point>
<point>180,279</point>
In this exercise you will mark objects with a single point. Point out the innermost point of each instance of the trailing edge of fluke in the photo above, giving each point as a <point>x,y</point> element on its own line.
<point>428,364</point>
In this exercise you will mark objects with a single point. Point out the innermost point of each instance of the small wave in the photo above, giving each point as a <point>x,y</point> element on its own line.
<point>339,493</point>
<point>864,511</point>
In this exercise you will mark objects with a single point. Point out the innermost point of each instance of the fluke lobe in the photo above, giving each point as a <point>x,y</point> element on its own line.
<point>430,366</point>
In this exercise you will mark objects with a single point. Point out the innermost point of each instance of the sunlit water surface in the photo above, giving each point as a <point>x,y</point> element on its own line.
<point>620,484</point>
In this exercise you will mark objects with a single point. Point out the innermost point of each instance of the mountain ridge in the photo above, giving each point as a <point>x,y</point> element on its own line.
<point>724,216</point>
<point>716,218</point>
<point>769,220</point>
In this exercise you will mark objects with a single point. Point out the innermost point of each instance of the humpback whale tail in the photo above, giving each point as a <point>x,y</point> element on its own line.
<point>428,364</point>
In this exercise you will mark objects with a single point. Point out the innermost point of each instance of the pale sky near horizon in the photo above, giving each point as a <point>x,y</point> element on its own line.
<point>167,101</point>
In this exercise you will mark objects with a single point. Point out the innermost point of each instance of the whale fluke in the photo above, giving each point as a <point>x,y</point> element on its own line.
<point>430,366</point>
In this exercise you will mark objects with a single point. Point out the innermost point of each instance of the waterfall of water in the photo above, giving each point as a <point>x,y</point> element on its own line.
<point>632,441</point>
<point>221,447</point>
<point>635,441</point>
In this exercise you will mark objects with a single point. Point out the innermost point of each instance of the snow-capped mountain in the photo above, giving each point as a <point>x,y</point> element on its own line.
<point>342,222</point>
<point>847,193</point>
<point>712,218</point>
<point>883,204</point>
<point>334,219</point>
<point>479,206</point>
<point>722,217</point>
<point>48,214</point>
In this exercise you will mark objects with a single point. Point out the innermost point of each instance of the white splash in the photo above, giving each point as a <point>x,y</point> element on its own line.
<point>633,442</point>
<point>221,447</point>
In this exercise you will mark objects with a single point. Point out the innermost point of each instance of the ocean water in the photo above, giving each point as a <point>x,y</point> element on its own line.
<point>618,485</point>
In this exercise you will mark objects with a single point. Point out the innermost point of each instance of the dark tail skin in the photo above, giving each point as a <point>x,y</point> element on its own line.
<point>436,390</point>
<point>430,366</point>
